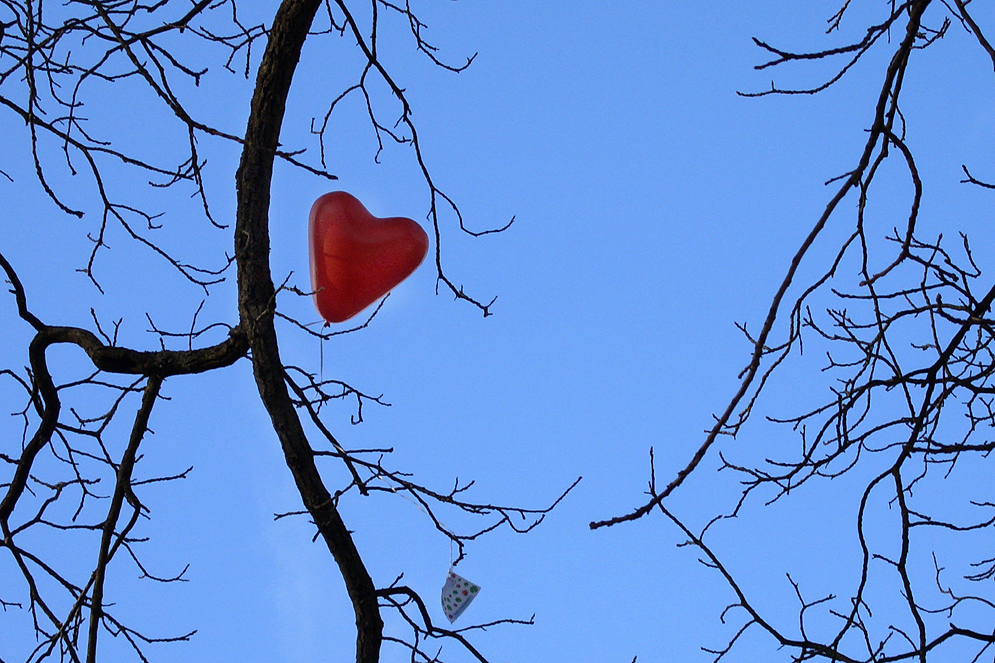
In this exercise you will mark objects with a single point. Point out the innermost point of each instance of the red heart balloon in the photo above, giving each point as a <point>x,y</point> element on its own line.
<point>356,258</point>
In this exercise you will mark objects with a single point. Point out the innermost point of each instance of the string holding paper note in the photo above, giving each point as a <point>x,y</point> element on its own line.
<point>457,594</point>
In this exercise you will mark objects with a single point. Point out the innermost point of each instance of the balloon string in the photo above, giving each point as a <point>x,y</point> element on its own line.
<point>321,376</point>
<point>442,525</point>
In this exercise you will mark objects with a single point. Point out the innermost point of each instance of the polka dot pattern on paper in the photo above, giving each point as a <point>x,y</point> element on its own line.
<point>456,595</point>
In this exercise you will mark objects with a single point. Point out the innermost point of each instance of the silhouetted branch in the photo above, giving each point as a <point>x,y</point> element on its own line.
<point>909,347</point>
<point>57,63</point>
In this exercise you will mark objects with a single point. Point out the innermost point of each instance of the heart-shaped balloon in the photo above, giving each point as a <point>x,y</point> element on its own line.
<point>356,258</point>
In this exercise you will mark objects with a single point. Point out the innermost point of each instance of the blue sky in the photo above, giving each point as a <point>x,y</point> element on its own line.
<point>654,208</point>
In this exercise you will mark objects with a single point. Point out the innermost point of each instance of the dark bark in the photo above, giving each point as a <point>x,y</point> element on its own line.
<point>122,491</point>
<point>257,299</point>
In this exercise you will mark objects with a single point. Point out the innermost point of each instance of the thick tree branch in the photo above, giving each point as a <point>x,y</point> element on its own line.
<point>257,302</point>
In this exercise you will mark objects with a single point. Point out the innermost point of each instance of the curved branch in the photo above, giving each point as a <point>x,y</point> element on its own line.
<point>257,303</point>
<point>883,118</point>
